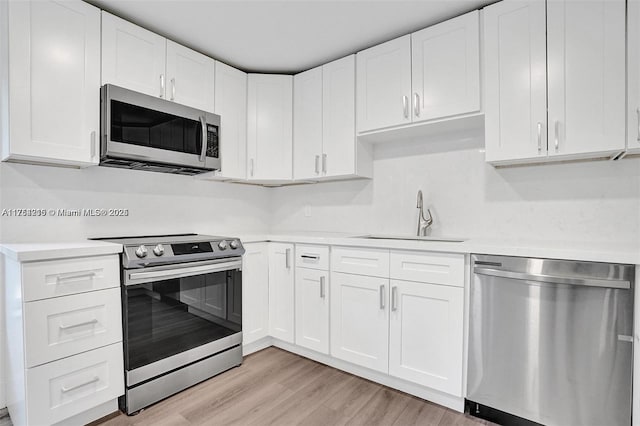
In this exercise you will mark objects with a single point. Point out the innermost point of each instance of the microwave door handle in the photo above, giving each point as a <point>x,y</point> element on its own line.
<point>203,151</point>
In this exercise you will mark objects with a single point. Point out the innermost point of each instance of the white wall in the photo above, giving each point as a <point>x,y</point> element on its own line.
<point>158,203</point>
<point>587,201</point>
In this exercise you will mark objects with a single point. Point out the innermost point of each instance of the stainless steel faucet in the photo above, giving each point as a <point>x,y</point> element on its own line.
<point>423,223</point>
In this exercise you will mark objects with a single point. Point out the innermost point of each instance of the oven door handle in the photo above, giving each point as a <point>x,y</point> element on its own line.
<point>137,277</point>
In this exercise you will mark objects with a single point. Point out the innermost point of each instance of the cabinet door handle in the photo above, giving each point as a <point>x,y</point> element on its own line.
<point>405,106</point>
<point>80,324</point>
<point>557,140</point>
<point>324,163</point>
<point>161,85</point>
<point>539,137</point>
<point>394,298</point>
<point>382,297</point>
<point>322,279</point>
<point>287,260</point>
<point>638,116</point>
<point>317,164</point>
<point>416,104</point>
<point>173,89</point>
<point>66,389</point>
<point>93,144</point>
<point>251,167</point>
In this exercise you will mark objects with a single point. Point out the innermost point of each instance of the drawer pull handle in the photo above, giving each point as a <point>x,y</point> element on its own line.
<point>69,389</point>
<point>80,324</point>
<point>60,278</point>
<point>308,256</point>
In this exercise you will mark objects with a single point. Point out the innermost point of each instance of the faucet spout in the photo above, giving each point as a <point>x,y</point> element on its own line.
<point>419,203</point>
<point>423,223</point>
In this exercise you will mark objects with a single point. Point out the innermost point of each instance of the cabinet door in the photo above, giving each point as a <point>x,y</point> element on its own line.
<point>339,117</point>
<point>270,126</point>
<point>281,288</point>
<point>312,309</point>
<point>190,77</point>
<point>231,105</point>
<point>633,72</point>
<point>307,124</point>
<point>384,85</point>
<point>255,292</point>
<point>54,85</point>
<point>586,48</point>
<point>426,335</point>
<point>132,57</point>
<point>360,320</point>
<point>515,80</point>
<point>446,68</point>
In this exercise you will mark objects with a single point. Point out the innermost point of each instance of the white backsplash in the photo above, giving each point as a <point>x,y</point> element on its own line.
<point>586,201</point>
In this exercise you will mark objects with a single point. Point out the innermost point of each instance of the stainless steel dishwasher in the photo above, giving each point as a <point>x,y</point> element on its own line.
<point>550,341</point>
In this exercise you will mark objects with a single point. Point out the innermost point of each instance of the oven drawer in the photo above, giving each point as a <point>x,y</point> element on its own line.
<point>67,387</point>
<point>53,278</point>
<point>312,256</point>
<point>360,261</point>
<point>63,326</point>
<point>428,267</point>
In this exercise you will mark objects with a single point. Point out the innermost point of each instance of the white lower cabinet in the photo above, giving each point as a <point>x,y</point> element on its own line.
<point>360,320</point>
<point>426,335</point>
<point>312,309</point>
<point>281,290</point>
<point>255,292</point>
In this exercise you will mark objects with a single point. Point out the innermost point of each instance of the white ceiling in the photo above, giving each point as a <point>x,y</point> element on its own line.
<point>284,36</point>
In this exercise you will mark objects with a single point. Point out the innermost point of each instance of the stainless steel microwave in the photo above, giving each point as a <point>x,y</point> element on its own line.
<point>143,132</point>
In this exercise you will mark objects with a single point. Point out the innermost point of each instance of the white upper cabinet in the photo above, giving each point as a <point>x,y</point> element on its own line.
<point>446,68</point>
<point>231,105</point>
<point>384,85</point>
<point>586,72</point>
<point>190,77</point>
<point>132,57</point>
<point>515,80</point>
<point>633,72</point>
<point>270,127</point>
<point>307,124</point>
<point>53,62</point>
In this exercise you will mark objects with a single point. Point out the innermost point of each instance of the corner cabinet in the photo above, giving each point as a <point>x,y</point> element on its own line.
<point>51,57</point>
<point>281,291</point>
<point>269,127</point>
<point>255,292</point>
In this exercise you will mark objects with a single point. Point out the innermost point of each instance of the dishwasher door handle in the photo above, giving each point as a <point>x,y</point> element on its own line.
<point>554,279</point>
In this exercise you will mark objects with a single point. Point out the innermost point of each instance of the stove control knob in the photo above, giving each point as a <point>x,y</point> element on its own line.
<point>158,250</point>
<point>234,244</point>
<point>222,245</point>
<point>141,251</point>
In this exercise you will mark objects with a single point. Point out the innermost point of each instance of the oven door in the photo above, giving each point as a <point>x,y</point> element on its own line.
<point>177,314</point>
<point>144,128</point>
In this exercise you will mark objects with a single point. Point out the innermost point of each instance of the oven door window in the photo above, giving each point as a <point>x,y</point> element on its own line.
<point>164,318</point>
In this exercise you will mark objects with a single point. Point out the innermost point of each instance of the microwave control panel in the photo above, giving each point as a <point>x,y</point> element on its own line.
<point>212,141</point>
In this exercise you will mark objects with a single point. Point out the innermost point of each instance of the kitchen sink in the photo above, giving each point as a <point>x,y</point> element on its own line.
<point>411,238</point>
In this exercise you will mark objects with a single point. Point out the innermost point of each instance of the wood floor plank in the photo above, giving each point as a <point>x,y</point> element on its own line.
<point>280,388</point>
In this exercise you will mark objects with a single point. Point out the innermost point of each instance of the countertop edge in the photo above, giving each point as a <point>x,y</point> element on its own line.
<point>31,252</point>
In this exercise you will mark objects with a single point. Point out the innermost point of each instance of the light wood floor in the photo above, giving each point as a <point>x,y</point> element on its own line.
<point>274,387</point>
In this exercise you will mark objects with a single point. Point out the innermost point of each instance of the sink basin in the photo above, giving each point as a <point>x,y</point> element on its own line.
<point>411,238</point>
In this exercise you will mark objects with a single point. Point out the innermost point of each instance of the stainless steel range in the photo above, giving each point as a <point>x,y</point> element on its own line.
<point>182,313</point>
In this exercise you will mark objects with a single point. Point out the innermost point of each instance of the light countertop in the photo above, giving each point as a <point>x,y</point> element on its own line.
<point>29,252</point>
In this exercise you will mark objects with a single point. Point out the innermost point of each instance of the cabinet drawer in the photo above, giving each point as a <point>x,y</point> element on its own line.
<point>64,326</point>
<point>311,256</point>
<point>67,387</point>
<point>361,261</point>
<point>428,267</point>
<point>52,278</point>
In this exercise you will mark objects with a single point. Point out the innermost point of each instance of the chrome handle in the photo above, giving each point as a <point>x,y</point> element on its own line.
<point>69,389</point>
<point>416,104</point>
<point>161,85</point>
<point>183,272</point>
<point>93,144</point>
<point>405,106</point>
<point>539,137</point>
<point>382,297</point>
<point>557,142</point>
<point>287,261</point>
<point>60,278</point>
<point>322,279</point>
<point>324,163</point>
<point>80,324</point>
<point>308,256</point>
<point>251,167</point>
<point>394,298</point>
<point>638,115</point>
<point>317,164</point>
<point>203,151</point>
<point>173,89</point>
<point>553,279</point>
